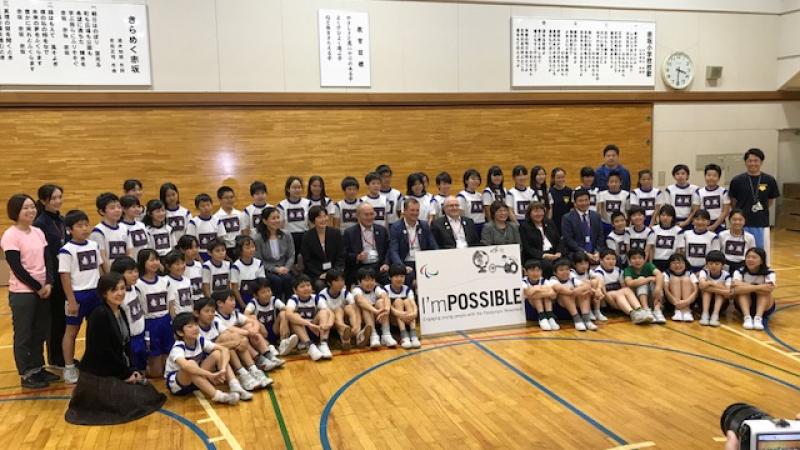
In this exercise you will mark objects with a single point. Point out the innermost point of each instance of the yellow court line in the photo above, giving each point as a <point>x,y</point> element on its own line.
<point>763,344</point>
<point>212,414</point>
<point>720,439</point>
<point>215,439</point>
<point>206,420</point>
<point>634,446</point>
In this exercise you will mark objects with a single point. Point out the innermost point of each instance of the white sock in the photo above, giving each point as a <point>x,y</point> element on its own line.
<point>252,368</point>
<point>241,371</point>
<point>234,385</point>
<point>385,330</point>
<point>218,396</point>
<point>70,366</point>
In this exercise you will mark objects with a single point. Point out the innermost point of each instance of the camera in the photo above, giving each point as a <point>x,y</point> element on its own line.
<point>758,430</point>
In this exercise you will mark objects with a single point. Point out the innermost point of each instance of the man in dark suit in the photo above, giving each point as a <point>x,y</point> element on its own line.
<point>581,228</point>
<point>407,237</point>
<point>367,245</point>
<point>452,230</point>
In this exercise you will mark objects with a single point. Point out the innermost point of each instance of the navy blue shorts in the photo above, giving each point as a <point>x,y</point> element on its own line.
<point>753,300</point>
<point>138,352</point>
<point>87,302</point>
<point>176,388</point>
<point>161,337</point>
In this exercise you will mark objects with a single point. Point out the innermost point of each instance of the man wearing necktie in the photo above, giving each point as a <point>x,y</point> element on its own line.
<point>407,237</point>
<point>581,228</point>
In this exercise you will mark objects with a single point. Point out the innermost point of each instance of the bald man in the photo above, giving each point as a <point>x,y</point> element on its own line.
<point>452,230</point>
<point>366,245</point>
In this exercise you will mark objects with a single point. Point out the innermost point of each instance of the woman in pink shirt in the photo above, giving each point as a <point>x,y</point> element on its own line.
<point>30,284</point>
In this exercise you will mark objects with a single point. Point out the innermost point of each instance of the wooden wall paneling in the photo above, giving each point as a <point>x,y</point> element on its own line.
<point>90,150</point>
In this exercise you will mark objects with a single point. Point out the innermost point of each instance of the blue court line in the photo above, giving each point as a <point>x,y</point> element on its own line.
<point>326,412</point>
<point>618,439</point>
<point>174,416</point>
<point>772,335</point>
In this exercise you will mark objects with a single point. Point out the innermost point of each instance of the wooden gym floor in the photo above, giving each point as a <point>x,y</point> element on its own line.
<point>624,386</point>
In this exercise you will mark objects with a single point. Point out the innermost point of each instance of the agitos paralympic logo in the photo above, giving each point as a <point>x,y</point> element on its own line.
<point>428,272</point>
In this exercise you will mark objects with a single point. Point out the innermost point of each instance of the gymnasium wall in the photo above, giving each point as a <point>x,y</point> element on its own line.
<point>93,150</point>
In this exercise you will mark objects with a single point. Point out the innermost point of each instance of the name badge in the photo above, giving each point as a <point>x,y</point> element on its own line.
<point>587,239</point>
<point>326,266</point>
<point>372,256</point>
<point>412,253</point>
<point>461,244</point>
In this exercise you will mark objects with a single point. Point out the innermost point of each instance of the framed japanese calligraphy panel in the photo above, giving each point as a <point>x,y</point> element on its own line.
<point>71,43</point>
<point>582,53</point>
<point>343,49</point>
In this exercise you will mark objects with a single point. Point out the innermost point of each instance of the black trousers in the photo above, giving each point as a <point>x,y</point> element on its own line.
<point>55,354</point>
<point>30,318</point>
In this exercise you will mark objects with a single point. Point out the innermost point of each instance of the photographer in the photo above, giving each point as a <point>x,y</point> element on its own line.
<point>733,441</point>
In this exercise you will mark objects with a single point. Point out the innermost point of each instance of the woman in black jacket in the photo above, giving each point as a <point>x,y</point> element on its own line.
<point>540,238</point>
<point>322,248</point>
<point>109,390</point>
<point>51,222</point>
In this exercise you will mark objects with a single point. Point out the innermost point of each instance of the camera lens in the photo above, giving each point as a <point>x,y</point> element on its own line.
<point>736,414</point>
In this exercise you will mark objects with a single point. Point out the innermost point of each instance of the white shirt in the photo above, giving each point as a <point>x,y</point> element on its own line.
<point>179,294</point>
<point>583,277</point>
<point>724,277</point>
<point>251,216</point>
<point>264,313</point>
<point>712,200</point>
<point>459,234</point>
<point>347,213</point>
<point>230,225</point>
<point>137,237</point>
<point>217,276</point>
<point>153,297</point>
<point>619,243</point>
<point>371,296</point>
<point>112,240</point>
<point>205,230</point>
<point>471,206</point>
<point>425,206</point>
<point>437,204</point>
<point>394,199</point>
<point>194,272</point>
<point>380,205</point>
<point>735,247</point>
<point>412,234</point>
<point>307,309</point>
<point>180,350</point>
<point>613,202</point>
<point>743,275</point>
<point>133,310</point>
<point>612,280</point>
<point>646,199</point>
<point>178,219</point>
<point>82,263</point>
<point>571,282</point>
<point>245,275</point>
<point>527,282</point>
<point>639,239</point>
<point>686,273</point>
<point>403,292</point>
<point>332,302</point>
<point>329,205</point>
<point>680,197</point>
<point>520,200</point>
<point>489,196</point>
<point>234,319</point>
<point>666,241</point>
<point>697,246</point>
<point>593,193</point>
<point>212,332</point>
<point>160,239</point>
<point>294,215</point>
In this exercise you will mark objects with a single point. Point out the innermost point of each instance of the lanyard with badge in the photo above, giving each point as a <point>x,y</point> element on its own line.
<point>372,254</point>
<point>412,241</point>
<point>757,206</point>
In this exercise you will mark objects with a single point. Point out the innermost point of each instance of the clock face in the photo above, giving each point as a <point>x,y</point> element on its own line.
<point>678,70</point>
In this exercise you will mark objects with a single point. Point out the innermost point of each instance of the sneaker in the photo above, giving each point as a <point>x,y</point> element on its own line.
<point>639,316</point>
<point>388,341</point>
<point>262,362</point>
<point>658,316</point>
<point>678,316</point>
<point>301,347</point>
<point>314,353</point>
<point>592,316</point>
<point>263,380</point>
<point>600,316</point>
<point>374,341</point>
<point>714,321</point>
<point>33,382</point>
<point>276,361</point>
<point>325,350</point>
<point>688,316</point>
<point>748,323</point>
<point>346,338</point>
<point>70,375</point>
<point>553,324</point>
<point>580,326</point>
<point>590,325</point>
<point>544,324</point>
<point>758,323</point>
<point>704,319</point>
<point>287,345</point>
<point>405,343</point>
<point>415,343</point>
<point>248,382</point>
<point>361,337</point>
<point>48,376</point>
<point>239,389</point>
<point>230,398</point>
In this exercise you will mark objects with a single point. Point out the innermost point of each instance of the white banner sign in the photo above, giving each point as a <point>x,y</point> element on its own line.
<point>343,48</point>
<point>71,43</point>
<point>558,52</point>
<point>469,288</point>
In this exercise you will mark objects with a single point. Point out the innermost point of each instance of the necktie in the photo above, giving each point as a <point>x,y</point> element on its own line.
<point>587,232</point>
